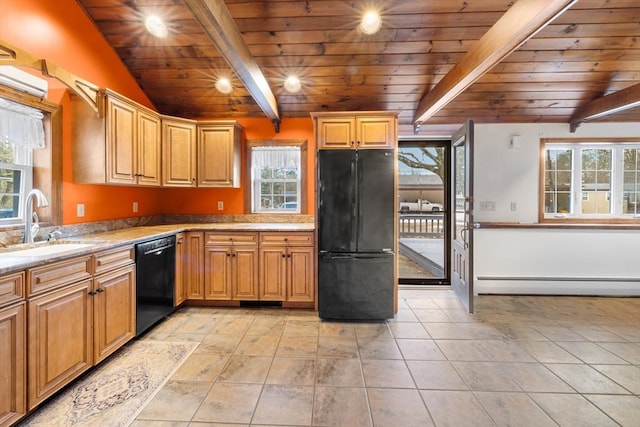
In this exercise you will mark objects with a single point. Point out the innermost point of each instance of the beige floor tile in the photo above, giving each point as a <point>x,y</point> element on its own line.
<point>548,352</point>
<point>452,303</point>
<point>462,350</point>
<point>199,324</point>
<point>372,330</point>
<point>201,367</point>
<point>341,407</point>
<point>435,375</point>
<point>232,325</point>
<point>216,343</point>
<point>413,349</point>
<point>337,329</point>
<point>256,345</point>
<point>456,409</point>
<point>572,410</point>
<point>229,403</point>
<point>339,372</point>
<point>513,409</point>
<point>624,409</point>
<point>292,371</point>
<point>431,315</point>
<point>504,351</point>
<point>246,369</point>
<point>628,376</point>
<point>176,401</point>
<point>267,326</point>
<point>627,351</point>
<point>630,331</point>
<point>378,348</point>
<point>519,332</point>
<point>446,331</point>
<point>459,315</point>
<point>387,373</point>
<point>407,330</point>
<point>558,333</point>
<point>297,347</point>
<point>301,328</point>
<point>596,333</point>
<point>150,423</point>
<point>405,315</point>
<point>185,337</point>
<point>485,376</point>
<point>394,408</point>
<point>284,405</point>
<point>329,346</point>
<point>535,377</point>
<point>585,379</point>
<point>422,303</point>
<point>590,352</point>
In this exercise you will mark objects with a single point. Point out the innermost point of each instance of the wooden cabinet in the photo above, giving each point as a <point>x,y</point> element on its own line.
<point>60,339</point>
<point>231,266</point>
<point>194,267</point>
<point>12,362</point>
<point>348,130</point>
<point>122,147</point>
<point>114,301</point>
<point>287,267</point>
<point>178,152</point>
<point>180,291</point>
<point>219,154</point>
<point>75,320</point>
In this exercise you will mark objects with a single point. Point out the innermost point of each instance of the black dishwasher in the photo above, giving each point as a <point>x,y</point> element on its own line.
<point>155,280</point>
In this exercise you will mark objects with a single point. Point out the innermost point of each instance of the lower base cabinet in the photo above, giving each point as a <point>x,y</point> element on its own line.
<point>12,367</point>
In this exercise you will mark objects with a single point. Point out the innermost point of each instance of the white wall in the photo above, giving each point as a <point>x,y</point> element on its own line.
<point>530,260</point>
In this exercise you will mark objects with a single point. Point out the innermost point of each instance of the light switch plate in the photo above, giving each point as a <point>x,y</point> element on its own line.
<point>220,205</point>
<point>135,206</point>
<point>80,210</point>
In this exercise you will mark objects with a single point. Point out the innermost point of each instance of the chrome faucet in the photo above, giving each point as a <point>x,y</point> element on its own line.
<point>31,224</point>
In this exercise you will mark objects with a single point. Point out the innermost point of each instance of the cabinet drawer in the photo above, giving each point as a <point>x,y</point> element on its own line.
<point>11,288</point>
<point>58,274</point>
<point>114,258</point>
<point>231,239</point>
<point>301,238</point>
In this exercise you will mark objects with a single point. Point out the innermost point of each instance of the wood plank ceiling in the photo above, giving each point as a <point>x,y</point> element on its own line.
<point>589,51</point>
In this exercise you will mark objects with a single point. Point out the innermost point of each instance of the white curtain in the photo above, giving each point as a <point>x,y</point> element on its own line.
<point>20,125</point>
<point>275,158</point>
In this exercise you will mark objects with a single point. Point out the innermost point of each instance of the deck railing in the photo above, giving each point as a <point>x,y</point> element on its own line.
<point>423,225</point>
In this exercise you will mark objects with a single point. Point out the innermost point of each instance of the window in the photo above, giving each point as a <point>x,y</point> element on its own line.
<point>21,131</point>
<point>276,176</point>
<point>590,180</point>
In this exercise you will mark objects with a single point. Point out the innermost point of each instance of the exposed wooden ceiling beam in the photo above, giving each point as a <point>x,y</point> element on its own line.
<point>609,104</point>
<point>524,19</point>
<point>218,23</point>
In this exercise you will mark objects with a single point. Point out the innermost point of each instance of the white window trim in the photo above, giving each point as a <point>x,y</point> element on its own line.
<point>615,195</point>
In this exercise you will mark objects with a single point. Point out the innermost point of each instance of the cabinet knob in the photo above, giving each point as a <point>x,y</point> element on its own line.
<point>286,239</point>
<point>92,292</point>
<point>283,255</point>
<point>233,255</point>
<point>288,255</point>
<point>228,254</point>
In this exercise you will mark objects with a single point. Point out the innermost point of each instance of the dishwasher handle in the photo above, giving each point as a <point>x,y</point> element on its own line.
<point>157,251</point>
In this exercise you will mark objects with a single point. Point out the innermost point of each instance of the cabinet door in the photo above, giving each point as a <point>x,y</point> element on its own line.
<point>178,153</point>
<point>217,276</point>
<point>245,273</point>
<point>149,160</point>
<point>273,273</point>
<point>180,293</point>
<point>376,132</point>
<point>121,142</point>
<point>218,156</point>
<point>60,339</point>
<point>336,132</point>
<point>114,311</point>
<point>301,283</point>
<point>194,265</point>
<point>12,364</point>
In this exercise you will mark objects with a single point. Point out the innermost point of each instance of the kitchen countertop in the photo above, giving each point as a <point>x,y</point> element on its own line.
<point>11,260</point>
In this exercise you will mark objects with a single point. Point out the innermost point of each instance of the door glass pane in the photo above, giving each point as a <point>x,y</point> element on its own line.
<point>459,182</point>
<point>422,171</point>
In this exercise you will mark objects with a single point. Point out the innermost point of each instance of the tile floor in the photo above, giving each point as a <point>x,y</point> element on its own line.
<point>519,361</point>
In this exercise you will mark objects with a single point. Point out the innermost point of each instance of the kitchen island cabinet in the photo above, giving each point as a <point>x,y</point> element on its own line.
<point>348,130</point>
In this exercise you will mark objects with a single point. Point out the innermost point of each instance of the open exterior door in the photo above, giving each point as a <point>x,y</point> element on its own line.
<point>462,221</point>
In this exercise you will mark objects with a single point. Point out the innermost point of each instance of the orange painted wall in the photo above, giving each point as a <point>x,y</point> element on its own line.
<point>61,32</point>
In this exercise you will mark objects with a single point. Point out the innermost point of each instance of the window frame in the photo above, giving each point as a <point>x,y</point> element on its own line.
<point>302,144</point>
<point>26,184</point>
<point>615,217</point>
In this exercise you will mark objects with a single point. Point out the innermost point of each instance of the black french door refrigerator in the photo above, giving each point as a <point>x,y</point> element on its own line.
<point>356,234</point>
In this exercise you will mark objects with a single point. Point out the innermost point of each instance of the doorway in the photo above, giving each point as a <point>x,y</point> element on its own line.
<point>424,203</point>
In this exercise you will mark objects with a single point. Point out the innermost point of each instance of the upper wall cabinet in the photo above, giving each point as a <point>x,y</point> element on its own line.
<point>219,154</point>
<point>178,152</point>
<point>123,147</point>
<point>356,130</point>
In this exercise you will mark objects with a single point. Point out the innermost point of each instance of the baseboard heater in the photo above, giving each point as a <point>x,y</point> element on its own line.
<point>560,279</point>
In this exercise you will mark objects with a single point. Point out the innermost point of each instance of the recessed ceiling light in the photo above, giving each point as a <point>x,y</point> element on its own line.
<point>223,85</point>
<point>156,27</point>
<point>292,84</point>
<point>371,22</point>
